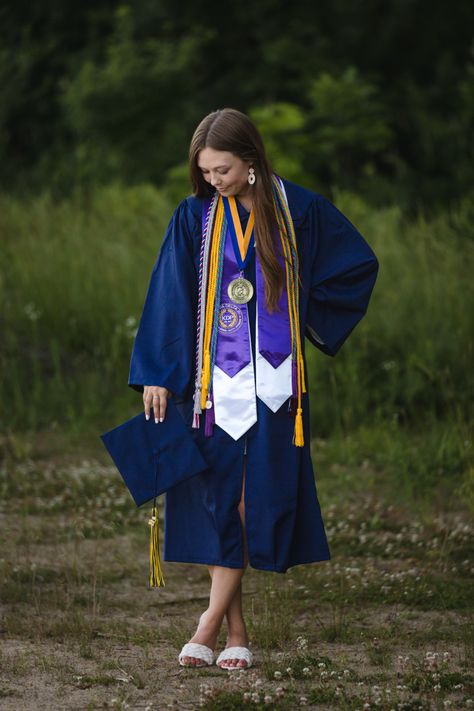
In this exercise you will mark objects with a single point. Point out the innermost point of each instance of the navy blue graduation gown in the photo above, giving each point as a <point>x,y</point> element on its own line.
<point>283,521</point>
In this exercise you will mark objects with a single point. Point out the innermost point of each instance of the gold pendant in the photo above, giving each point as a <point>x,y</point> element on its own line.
<point>240,290</point>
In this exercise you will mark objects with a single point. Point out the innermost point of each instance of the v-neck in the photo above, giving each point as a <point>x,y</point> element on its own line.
<point>242,209</point>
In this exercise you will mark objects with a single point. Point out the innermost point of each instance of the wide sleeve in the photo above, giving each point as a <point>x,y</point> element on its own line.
<point>343,273</point>
<point>164,345</point>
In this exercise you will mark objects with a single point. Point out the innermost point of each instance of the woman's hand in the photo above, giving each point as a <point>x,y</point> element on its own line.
<point>156,397</point>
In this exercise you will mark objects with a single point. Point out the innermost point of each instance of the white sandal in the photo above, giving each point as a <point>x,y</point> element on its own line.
<point>198,651</point>
<point>235,653</point>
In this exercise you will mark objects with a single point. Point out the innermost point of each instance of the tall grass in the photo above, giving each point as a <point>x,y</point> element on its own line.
<point>73,279</point>
<point>73,276</point>
<point>411,358</point>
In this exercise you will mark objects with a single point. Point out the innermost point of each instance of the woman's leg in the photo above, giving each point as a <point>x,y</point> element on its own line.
<point>225,599</point>
<point>236,630</point>
<point>225,582</point>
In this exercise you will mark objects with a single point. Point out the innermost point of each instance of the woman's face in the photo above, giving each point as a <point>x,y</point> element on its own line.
<point>224,171</point>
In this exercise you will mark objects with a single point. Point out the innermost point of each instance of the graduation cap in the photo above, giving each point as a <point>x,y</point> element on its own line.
<point>153,458</point>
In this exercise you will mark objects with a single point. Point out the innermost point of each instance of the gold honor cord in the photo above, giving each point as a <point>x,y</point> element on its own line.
<point>210,301</point>
<point>282,211</point>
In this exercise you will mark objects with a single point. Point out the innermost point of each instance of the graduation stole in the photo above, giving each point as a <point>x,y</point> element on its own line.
<point>225,381</point>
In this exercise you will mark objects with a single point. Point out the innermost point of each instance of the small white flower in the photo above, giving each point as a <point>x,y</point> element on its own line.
<point>301,642</point>
<point>268,699</point>
<point>277,675</point>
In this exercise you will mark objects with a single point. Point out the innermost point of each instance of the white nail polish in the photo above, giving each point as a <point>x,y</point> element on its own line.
<point>147,417</point>
<point>156,420</point>
<point>161,419</point>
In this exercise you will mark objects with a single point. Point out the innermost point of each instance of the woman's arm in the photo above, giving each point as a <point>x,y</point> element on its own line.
<point>343,273</point>
<point>164,347</point>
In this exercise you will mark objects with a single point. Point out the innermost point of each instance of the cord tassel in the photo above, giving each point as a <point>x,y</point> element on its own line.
<point>156,574</point>
<point>206,377</point>
<point>210,421</point>
<point>298,438</point>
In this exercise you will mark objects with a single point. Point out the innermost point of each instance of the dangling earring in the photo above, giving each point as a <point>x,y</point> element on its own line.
<point>251,177</point>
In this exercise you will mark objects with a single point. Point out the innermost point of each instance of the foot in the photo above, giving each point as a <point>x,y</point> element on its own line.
<point>236,638</point>
<point>206,633</point>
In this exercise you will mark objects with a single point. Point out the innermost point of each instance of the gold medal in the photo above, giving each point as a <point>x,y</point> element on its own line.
<point>240,290</point>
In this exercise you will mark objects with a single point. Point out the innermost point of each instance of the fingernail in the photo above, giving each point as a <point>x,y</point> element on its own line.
<point>156,420</point>
<point>147,417</point>
<point>161,419</point>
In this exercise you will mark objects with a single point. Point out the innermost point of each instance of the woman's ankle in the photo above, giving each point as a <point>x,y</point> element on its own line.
<point>236,627</point>
<point>209,619</point>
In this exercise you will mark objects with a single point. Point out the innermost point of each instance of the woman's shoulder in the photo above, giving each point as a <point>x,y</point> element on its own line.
<point>189,206</point>
<point>193,205</point>
<point>187,214</point>
<point>300,199</point>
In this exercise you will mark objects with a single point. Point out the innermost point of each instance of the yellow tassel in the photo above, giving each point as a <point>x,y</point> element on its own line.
<point>156,574</point>
<point>299,439</point>
<point>206,376</point>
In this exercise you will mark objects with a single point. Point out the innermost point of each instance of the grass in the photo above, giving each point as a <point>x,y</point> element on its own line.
<point>387,623</point>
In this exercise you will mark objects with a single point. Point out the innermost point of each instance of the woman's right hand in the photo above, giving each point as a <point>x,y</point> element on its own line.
<point>155,397</point>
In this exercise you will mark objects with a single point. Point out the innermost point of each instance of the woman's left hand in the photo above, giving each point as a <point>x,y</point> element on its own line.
<point>157,397</point>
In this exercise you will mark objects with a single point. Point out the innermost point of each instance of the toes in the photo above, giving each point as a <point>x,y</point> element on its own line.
<point>233,664</point>
<point>192,662</point>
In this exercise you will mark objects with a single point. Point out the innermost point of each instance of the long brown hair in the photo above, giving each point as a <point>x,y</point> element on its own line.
<point>231,130</point>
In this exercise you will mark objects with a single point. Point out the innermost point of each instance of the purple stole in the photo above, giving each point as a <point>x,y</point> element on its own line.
<point>236,380</point>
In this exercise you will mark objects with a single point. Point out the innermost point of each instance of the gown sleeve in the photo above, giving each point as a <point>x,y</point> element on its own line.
<point>343,273</point>
<point>164,345</point>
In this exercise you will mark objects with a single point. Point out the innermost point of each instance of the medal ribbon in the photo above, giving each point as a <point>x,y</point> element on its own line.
<point>243,244</point>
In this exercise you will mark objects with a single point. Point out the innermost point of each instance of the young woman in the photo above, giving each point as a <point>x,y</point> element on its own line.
<point>250,264</point>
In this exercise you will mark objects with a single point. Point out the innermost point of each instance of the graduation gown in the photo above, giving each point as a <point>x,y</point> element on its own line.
<point>283,522</point>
